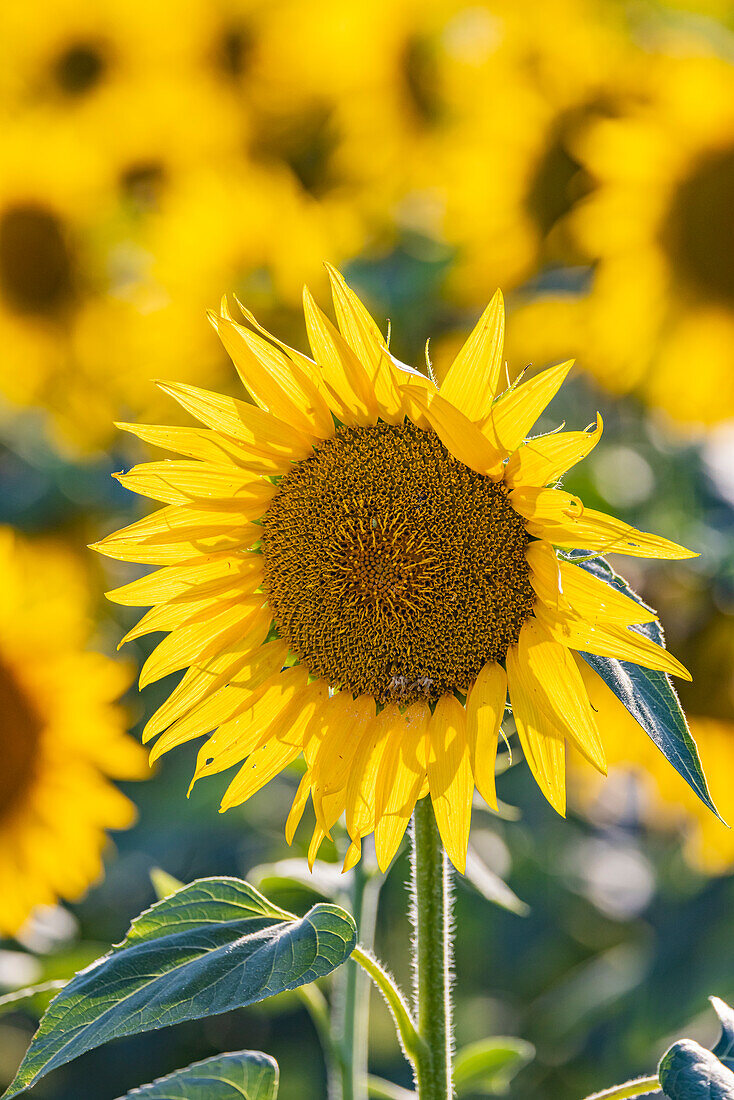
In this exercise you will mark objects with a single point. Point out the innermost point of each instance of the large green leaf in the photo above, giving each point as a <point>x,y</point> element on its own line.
<point>212,946</point>
<point>689,1072</point>
<point>649,696</point>
<point>246,1075</point>
<point>724,1049</point>
<point>489,1066</point>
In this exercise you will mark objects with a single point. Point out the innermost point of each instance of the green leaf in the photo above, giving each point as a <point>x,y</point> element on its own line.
<point>724,1049</point>
<point>490,1065</point>
<point>214,945</point>
<point>246,1075</point>
<point>689,1072</point>
<point>649,696</point>
<point>489,884</point>
<point>326,879</point>
<point>163,883</point>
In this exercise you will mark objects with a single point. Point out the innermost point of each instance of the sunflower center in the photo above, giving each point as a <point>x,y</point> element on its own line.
<point>698,233</point>
<point>79,68</point>
<point>392,569</point>
<point>36,267</point>
<point>21,736</point>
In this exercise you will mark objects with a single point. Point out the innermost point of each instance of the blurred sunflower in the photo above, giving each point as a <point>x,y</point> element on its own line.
<point>503,170</point>
<point>350,564</point>
<point>63,734</point>
<point>659,226</point>
<point>667,802</point>
<point>46,263</point>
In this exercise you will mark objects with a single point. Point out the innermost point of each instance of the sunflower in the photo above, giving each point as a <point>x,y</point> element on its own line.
<point>357,568</point>
<point>503,171</point>
<point>659,227</point>
<point>63,734</point>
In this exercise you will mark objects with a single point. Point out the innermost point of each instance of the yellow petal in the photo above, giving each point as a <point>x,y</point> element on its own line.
<point>458,434</point>
<point>542,741</point>
<point>485,707</point>
<point>343,722</point>
<point>544,459</point>
<point>179,580</point>
<point>317,839</point>
<point>609,641</point>
<point>592,530</point>
<point>248,667</point>
<point>346,381</point>
<point>284,744</point>
<point>542,506</point>
<point>184,523</point>
<point>389,725</point>
<point>247,620</point>
<point>234,696</point>
<point>551,676</point>
<point>174,482</point>
<point>178,551</point>
<point>204,445</point>
<point>253,427</point>
<point>299,805</point>
<point>307,365</point>
<point>365,339</point>
<point>566,587</point>
<point>400,779</point>
<point>169,616</point>
<point>450,778</point>
<point>514,414</point>
<point>237,738</point>
<point>275,381</point>
<point>473,378</point>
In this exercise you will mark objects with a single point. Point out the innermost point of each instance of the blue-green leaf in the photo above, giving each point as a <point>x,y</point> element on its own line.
<point>212,946</point>
<point>724,1049</point>
<point>649,696</point>
<point>489,1066</point>
<point>246,1075</point>
<point>689,1072</point>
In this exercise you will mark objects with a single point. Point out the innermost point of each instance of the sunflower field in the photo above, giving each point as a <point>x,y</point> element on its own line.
<point>367,381</point>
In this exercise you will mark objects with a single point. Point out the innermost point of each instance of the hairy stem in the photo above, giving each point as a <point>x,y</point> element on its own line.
<point>432,955</point>
<point>353,1009</point>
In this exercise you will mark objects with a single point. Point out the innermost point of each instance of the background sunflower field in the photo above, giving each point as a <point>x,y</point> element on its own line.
<point>155,155</point>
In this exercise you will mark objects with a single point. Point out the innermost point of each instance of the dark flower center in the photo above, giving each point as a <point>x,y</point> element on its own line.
<point>392,569</point>
<point>36,265</point>
<point>698,233</point>
<point>21,738</point>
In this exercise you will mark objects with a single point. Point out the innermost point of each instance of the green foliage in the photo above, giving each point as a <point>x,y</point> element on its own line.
<point>246,1075</point>
<point>648,695</point>
<point>489,1066</point>
<point>689,1072</point>
<point>724,1049</point>
<point>212,946</point>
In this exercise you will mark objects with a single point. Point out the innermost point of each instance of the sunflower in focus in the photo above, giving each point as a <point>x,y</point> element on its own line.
<point>63,734</point>
<point>358,568</point>
<point>660,225</point>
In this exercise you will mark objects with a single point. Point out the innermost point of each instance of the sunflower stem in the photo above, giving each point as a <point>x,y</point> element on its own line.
<point>431,897</point>
<point>353,1021</point>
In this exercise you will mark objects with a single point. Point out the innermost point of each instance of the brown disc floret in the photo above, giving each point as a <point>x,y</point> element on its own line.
<point>392,569</point>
